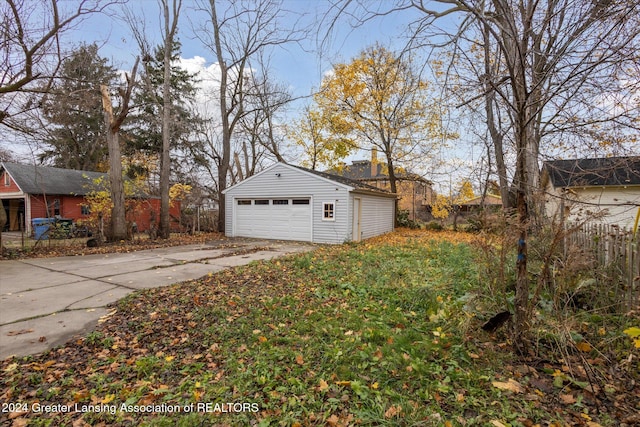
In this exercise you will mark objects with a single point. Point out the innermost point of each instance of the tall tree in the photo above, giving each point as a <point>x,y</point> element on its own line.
<point>170,26</point>
<point>162,120</point>
<point>73,111</point>
<point>113,121</point>
<point>236,36</point>
<point>31,51</point>
<point>379,100</point>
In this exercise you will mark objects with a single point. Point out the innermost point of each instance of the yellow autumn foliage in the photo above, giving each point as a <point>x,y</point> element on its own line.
<point>320,144</point>
<point>379,100</point>
<point>441,208</point>
<point>179,191</point>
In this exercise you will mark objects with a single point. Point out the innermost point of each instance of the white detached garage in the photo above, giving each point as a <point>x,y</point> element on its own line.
<point>286,202</point>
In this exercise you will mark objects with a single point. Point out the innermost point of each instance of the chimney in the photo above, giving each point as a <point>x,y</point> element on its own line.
<point>374,162</point>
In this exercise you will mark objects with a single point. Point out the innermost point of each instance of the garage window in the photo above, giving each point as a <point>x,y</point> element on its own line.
<point>300,201</point>
<point>328,211</point>
<point>281,202</point>
<point>261,202</point>
<point>244,202</point>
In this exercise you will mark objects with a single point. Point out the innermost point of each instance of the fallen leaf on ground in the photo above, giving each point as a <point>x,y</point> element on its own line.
<point>323,385</point>
<point>511,385</point>
<point>583,346</point>
<point>333,420</point>
<point>393,411</point>
<point>567,399</point>
<point>20,332</point>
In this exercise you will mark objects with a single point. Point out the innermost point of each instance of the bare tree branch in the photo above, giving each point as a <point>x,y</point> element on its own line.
<point>31,54</point>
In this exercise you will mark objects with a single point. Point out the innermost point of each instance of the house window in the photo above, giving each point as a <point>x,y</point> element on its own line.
<point>244,202</point>
<point>7,180</point>
<point>85,210</point>
<point>281,202</point>
<point>300,201</point>
<point>261,202</point>
<point>54,207</point>
<point>328,211</point>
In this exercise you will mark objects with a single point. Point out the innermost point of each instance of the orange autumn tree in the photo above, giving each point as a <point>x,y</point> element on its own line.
<point>443,205</point>
<point>380,101</point>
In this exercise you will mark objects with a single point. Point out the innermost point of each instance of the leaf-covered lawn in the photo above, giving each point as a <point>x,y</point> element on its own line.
<point>14,249</point>
<point>377,333</point>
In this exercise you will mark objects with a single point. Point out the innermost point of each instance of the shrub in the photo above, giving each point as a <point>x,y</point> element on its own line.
<point>434,225</point>
<point>403,220</point>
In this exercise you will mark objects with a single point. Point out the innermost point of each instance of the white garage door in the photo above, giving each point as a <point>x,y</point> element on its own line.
<point>283,219</point>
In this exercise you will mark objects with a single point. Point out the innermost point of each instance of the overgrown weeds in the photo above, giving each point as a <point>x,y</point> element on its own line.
<point>577,318</point>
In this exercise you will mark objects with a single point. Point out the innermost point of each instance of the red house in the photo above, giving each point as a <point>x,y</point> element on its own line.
<point>29,191</point>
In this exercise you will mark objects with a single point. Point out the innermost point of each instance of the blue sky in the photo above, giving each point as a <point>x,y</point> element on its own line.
<point>299,67</point>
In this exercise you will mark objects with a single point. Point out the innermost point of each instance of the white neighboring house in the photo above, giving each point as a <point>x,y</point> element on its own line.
<point>606,186</point>
<point>286,202</point>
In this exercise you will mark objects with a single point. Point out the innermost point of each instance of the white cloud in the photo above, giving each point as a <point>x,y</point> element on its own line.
<point>208,76</point>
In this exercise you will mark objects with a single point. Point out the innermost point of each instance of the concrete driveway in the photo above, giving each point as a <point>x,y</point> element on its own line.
<point>44,302</point>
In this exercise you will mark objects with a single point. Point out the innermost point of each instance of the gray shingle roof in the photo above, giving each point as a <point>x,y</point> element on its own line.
<point>608,171</point>
<point>361,170</point>
<point>358,185</point>
<point>34,179</point>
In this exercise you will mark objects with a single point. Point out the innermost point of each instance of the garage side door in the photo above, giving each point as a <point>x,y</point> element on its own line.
<point>281,219</point>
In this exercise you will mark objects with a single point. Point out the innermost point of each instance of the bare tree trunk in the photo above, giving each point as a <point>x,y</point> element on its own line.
<point>393,185</point>
<point>3,221</point>
<point>113,124</point>
<point>118,218</point>
<point>520,98</point>
<point>501,167</point>
<point>522,303</point>
<point>165,159</point>
<point>239,165</point>
<point>493,122</point>
<point>225,160</point>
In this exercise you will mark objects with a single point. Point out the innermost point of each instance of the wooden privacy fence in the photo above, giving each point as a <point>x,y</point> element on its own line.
<point>616,254</point>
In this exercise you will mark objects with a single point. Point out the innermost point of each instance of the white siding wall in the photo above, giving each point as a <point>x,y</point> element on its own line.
<point>296,183</point>
<point>553,202</point>
<point>618,205</point>
<point>621,204</point>
<point>377,215</point>
<point>331,231</point>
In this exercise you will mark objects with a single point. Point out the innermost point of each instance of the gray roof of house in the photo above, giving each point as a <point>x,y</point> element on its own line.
<point>34,179</point>
<point>361,170</point>
<point>358,185</point>
<point>609,171</point>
